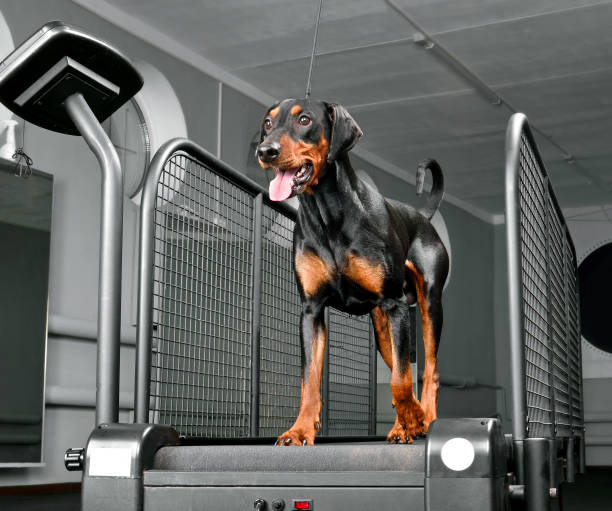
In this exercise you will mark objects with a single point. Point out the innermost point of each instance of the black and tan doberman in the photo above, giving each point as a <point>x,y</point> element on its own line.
<point>358,252</point>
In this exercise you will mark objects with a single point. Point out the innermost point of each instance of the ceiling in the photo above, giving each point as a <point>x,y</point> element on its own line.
<point>551,59</point>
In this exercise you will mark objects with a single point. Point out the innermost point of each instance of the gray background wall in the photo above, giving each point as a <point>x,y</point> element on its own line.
<point>24,265</point>
<point>592,228</point>
<point>469,338</point>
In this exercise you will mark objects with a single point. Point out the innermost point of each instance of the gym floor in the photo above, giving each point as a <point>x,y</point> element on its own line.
<point>592,492</point>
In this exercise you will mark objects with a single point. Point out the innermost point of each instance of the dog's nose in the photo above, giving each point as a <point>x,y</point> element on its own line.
<point>268,152</point>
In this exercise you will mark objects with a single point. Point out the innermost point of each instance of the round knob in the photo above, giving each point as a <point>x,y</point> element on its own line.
<point>74,458</point>
<point>278,505</point>
<point>259,505</point>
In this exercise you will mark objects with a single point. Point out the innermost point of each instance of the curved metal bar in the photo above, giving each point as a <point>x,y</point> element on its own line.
<point>515,298</point>
<point>517,354</point>
<point>111,233</point>
<point>146,257</point>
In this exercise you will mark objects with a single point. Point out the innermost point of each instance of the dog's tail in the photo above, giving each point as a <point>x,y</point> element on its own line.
<point>437,188</point>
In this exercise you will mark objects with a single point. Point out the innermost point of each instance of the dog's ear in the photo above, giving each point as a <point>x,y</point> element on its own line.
<point>344,131</point>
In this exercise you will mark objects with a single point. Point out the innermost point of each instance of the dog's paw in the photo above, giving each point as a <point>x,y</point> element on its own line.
<point>398,435</point>
<point>301,433</point>
<point>409,423</point>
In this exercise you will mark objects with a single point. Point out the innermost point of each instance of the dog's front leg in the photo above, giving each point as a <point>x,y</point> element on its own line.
<point>313,335</point>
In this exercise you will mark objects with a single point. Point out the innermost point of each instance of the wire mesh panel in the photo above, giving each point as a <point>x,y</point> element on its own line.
<point>534,266</point>
<point>349,374</point>
<point>549,302</point>
<point>280,366</point>
<point>225,358</point>
<point>574,352</point>
<point>202,293</point>
<point>558,321</point>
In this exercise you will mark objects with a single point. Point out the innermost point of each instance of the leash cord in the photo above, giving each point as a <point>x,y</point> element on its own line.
<point>314,47</point>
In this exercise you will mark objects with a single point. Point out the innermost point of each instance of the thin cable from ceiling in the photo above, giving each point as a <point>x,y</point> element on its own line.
<point>314,49</point>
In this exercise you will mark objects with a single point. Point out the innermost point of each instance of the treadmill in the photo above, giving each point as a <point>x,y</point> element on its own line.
<point>68,81</point>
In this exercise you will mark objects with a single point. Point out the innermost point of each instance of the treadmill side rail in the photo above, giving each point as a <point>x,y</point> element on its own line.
<point>115,459</point>
<point>465,466</point>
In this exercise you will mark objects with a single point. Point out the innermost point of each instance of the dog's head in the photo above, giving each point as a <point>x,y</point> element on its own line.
<point>299,137</point>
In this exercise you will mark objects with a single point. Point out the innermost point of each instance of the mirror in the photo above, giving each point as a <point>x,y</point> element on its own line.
<point>25,235</point>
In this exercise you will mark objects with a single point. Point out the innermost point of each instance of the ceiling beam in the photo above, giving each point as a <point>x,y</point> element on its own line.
<point>523,18</point>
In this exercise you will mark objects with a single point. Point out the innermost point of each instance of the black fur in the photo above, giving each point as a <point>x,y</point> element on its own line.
<point>342,217</point>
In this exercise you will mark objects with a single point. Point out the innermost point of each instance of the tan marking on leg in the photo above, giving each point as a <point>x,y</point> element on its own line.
<point>383,334</point>
<point>407,407</point>
<point>312,272</point>
<point>296,109</point>
<point>308,421</point>
<point>409,415</point>
<point>369,276</point>
<point>431,377</point>
<point>311,395</point>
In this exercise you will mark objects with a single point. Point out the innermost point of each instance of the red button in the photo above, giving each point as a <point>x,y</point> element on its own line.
<point>302,505</point>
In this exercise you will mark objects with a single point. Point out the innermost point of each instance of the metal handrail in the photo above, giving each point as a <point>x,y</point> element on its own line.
<point>513,247</point>
<point>518,128</point>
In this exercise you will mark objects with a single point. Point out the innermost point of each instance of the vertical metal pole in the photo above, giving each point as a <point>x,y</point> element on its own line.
<point>111,233</point>
<point>517,353</point>
<point>325,379</point>
<point>582,449</point>
<point>144,322</point>
<point>146,260</point>
<point>581,455</point>
<point>570,473</point>
<point>537,474</point>
<point>373,381</point>
<point>568,329</point>
<point>570,456</point>
<point>549,313</point>
<point>256,313</point>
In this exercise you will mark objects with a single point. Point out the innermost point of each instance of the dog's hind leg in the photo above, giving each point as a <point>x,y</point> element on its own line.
<point>391,329</point>
<point>429,297</point>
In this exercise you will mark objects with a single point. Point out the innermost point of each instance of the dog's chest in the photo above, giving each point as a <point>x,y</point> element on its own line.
<point>356,280</point>
<point>357,271</point>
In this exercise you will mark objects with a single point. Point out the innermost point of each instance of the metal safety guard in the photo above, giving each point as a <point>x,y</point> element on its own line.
<point>544,322</point>
<point>218,350</point>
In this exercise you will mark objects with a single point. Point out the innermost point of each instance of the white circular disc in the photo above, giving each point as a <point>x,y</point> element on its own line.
<point>458,454</point>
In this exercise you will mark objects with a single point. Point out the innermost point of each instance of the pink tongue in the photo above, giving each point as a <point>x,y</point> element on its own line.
<point>280,186</point>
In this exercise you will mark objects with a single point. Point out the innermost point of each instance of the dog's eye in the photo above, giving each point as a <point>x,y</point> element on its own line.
<point>304,120</point>
<point>268,124</point>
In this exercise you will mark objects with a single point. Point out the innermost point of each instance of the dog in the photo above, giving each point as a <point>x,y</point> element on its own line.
<point>358,252</point>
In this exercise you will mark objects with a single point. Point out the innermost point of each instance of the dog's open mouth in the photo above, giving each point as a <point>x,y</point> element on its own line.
<point>290,182</point>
